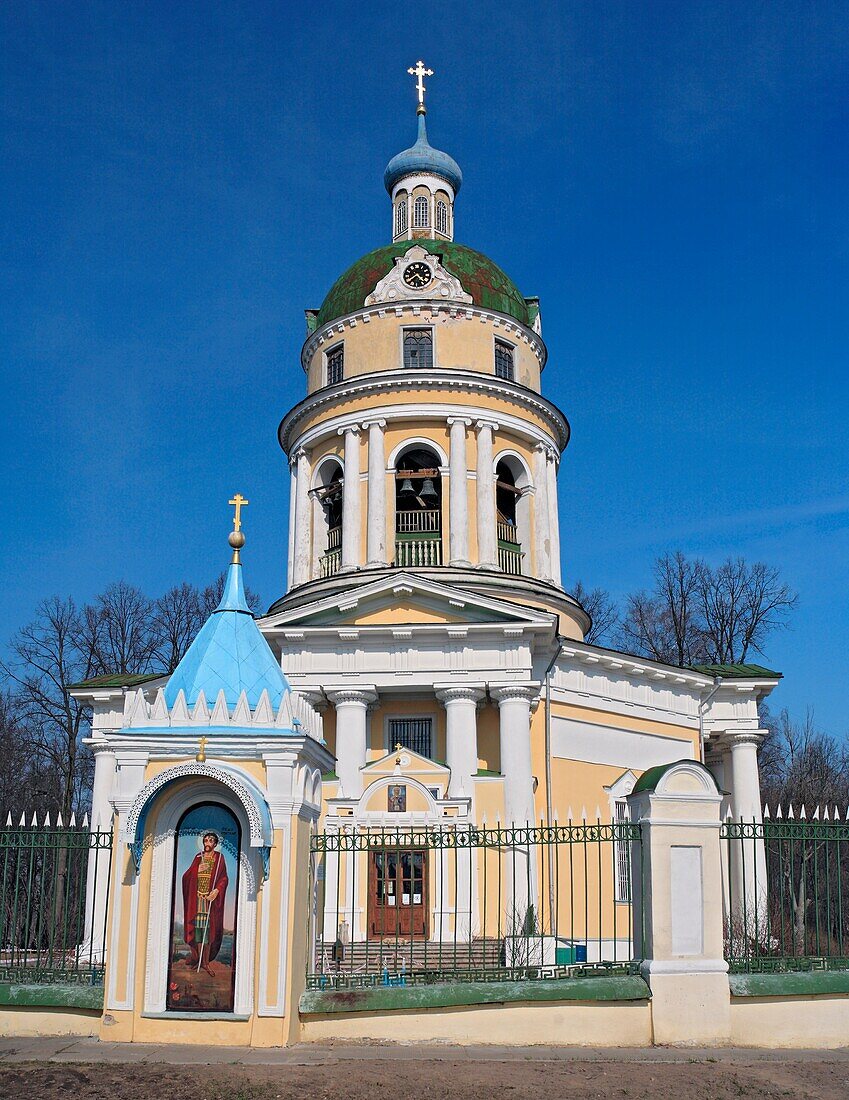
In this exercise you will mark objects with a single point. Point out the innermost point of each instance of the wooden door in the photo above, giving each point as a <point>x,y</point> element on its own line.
<point>398,893</point>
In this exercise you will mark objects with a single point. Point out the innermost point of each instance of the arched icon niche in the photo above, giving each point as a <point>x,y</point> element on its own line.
<point>202,956</point>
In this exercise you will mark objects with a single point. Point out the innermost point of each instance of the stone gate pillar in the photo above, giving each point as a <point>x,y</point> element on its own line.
<point>677,886</point>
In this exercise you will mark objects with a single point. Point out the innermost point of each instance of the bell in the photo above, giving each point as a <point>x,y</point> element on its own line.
<point>406,489</point>
<point>428,490</point>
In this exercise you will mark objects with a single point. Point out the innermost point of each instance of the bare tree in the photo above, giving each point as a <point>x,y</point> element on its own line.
<point>47,656</point>
<point>177,616</point>
<point>211,596</point>
<point>698,614</point>
<point>600,607</point>
<point>118,626</point>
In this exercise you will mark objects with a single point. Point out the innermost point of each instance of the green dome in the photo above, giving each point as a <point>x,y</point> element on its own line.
<point>489,287</point>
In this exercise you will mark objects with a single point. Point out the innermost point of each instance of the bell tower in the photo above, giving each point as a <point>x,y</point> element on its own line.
<point>424,443</point>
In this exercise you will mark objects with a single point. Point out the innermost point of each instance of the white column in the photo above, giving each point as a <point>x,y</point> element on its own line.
<point>748,858</point>
<point>290,560</point>
<point>553,522</point>
<point>487,544</point>
<point>97,872</point>
<point>376,540</point>
<point>542,537</point>
<point>514,706</point>
<point>459,493</point>
<point>351,743</point>
<point>303,519</point>
<point>461,734</point>
<point>351,499</point>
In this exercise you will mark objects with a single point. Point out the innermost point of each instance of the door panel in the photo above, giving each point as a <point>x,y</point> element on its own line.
<point>398,893</point>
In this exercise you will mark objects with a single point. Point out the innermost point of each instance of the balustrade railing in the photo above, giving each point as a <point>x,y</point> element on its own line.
<point>334,539</point>
<point>507,532</point>
<point>330,563</point>
<point>413,552</point>
<point>509,560</point>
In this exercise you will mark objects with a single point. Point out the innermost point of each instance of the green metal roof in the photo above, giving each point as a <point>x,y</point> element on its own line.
<point>118,680</point>
<point>738,672</point>
<point>489,287</point>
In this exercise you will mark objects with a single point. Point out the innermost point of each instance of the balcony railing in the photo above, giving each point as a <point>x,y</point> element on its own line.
<point>334,538</point>
<point>507,532</point>
<point>330,563</point>
<point>413,552</point>
<point>509,558</point>
<point>423,519</point>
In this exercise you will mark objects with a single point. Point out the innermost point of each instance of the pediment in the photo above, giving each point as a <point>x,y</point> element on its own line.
<point>406,600</point>
<point>411,764</point>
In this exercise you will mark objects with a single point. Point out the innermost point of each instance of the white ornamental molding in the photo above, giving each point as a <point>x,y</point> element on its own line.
<point>442,285</point>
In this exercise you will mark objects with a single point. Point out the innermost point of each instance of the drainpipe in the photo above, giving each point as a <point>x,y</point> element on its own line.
<point>552,901</point>
<point>717,683</point>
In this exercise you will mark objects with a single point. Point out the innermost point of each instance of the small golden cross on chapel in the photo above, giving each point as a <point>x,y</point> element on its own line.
<point>420,72</point>
<point>201,756</point>
<point>238,502</point>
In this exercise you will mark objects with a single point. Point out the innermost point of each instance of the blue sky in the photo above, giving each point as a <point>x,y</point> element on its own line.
<point>179,182</point>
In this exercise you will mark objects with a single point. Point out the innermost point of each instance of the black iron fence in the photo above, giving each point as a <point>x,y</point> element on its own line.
<point>786,879</point>
<point>419,906</point>
<point>53,903</point>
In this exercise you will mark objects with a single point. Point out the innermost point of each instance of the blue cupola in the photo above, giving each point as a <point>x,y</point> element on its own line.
<point>423,159</point>
<point>229,653</point>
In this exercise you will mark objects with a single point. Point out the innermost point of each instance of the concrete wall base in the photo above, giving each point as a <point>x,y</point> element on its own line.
<point>817,1022</point>
<point>23,1022</point>
<point>611,1023</point>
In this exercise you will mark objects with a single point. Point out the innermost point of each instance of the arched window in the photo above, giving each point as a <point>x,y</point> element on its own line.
<point>328,519</point>
<point>401,218</point>
<point>420,212</point>
<point>512,513</point>
<point>418,508</point>
<point>442,217</point>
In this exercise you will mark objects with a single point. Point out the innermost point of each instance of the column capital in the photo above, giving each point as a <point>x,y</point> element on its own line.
<point>362,696</point>
<point>314,696</point>
<point>298,454</point>
<point>353,429</point>
<point>505,693</point>
<point>450,693</point>
<point>735,739</point>
<point>493,425</point>
<point>378,422</point>
<point>464,420</point>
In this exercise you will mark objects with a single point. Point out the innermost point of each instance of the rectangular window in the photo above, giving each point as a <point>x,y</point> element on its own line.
<point>335,364</point>
<point>503,360</point>
<point>418,348</point>
<point>415,734</point>
<point>622,855</point>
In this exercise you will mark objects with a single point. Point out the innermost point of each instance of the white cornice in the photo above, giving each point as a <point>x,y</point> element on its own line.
<point>378,384</point>
<point>501,322</point>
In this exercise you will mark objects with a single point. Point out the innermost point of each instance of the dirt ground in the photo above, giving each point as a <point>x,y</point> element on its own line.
<point>487,1079</point>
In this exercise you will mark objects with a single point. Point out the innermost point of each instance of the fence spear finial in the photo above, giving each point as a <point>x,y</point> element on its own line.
<point>766,811</point>
<point>778,813</point>
<point>790,810</point>
<point>825,816</point>
<point>34,822</point>
<point>59,822</point>
<point>9,820</point>
<point>816,816</point>
<point>802,814</point>
<point>73,822</point>
<point>47,820</point>
<point>23,821</point>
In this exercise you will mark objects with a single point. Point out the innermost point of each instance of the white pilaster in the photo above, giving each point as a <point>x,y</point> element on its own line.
<point>459,494</point>
<point>97,872</point>
<point>487,544</point>
<point>553,522</point>
<point>514,707</point>
<point>351,743</point>
<point>542,536</point>
<point>748,894</point>
<point>376,540</point>
<point>303,524</point>
<point>351,499</point>
<point>290,560</point>
<point>461,734</point>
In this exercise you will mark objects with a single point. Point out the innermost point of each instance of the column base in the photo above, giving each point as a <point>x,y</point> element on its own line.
<point>690,1002</point>
<point>459,563</point>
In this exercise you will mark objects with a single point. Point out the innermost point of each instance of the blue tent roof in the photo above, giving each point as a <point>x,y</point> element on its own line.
<point>422,157</point>
<point>229,654</point>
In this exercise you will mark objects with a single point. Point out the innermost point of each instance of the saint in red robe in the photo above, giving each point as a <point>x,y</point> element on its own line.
<point>215,928</point>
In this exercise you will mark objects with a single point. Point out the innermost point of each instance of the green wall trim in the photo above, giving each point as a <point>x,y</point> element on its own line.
<point>51,996</point>
<point>626,987</point>
<point>802,983</point>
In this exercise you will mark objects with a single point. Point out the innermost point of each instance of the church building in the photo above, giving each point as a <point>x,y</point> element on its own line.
<point>425,670</point>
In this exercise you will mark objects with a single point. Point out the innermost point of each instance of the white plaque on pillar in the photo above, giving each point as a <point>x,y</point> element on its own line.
<point>686,901</point>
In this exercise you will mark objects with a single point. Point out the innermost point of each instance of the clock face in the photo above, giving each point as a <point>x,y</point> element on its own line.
<point>417,275</point>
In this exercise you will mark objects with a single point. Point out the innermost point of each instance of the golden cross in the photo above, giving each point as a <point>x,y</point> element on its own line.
<point>238,503</point>
<point>201,756</point>
<point>420,72</point>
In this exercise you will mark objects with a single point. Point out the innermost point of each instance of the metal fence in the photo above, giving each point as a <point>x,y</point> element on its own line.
<point>785,881</point>
<point>414,906</point>
<point>51,927</point>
